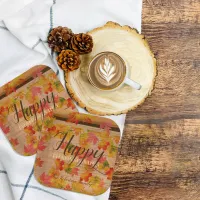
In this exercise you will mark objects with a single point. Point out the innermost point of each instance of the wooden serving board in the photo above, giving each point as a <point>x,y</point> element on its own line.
<point>160,150</point>
<point>134,49</point>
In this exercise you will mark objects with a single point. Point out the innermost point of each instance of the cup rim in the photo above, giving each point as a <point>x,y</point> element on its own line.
<point>89,77</point>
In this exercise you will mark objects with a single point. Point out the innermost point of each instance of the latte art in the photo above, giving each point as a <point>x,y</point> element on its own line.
<point>107,71</point>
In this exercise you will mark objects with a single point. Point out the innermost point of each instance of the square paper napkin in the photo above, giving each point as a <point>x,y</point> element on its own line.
<point>23,36</point>
<point>80,152</point>
<point>24,103</point>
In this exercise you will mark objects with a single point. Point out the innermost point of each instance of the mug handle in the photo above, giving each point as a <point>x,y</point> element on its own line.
<point>133,84</point>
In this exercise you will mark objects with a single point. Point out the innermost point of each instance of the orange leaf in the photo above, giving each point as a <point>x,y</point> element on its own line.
<point>39,162</point>
<point>29,149</point>
<point>36,91</point>
<point>46,179</point>
<point>68,187</point>
<point>73,118</point>
<point>52,129</point>
<point>41,145</point>
<point>85,176</point>
<point>102,160</point>
<point>4,128</point>
<point>106,125</point>
<point>29,130</point>
<point>109,173</point>
<point>92,138</point>
<point>87,120</point>
<point>70,104</point>
<point>14,142</point>
<point>2,110</point>
<point>60,164</point>
<point>74,171</point>
<point>37,73</point>
<point>103,145</point>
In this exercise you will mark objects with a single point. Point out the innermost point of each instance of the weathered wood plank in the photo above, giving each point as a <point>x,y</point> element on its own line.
<point>171,11</point>
<point>173,41</point>
<point>158,194</point>
<point>159,158</point>
<point>176,94</point>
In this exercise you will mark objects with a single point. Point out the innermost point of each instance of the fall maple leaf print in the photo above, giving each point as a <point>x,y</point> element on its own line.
<point>59,164</point>
<point>70,104</point>
<point>103,145</point>
<point>36,91</point>
<point>29,149</point>
<point>41,145</point>
<point>14,142</point>
<point>92,138</point>
<point>2,110</point>
<point>29,130</point>
<point>46,179</point>
<point>106,125</point>
<point>52,129</point>
<point>37,73</point>
<point>39,162</point>
<point>74,171</point>
<point>85,176</point>
<point>68,187</point>
<point>87,119</point>
<point>5,129</point>
<point>109,173</point>
<point>103,159</point>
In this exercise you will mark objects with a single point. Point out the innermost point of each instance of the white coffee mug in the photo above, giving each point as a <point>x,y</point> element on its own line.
<point>126,79</point>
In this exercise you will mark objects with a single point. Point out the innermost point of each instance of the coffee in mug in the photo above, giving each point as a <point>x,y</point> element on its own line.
<point>108,71</point>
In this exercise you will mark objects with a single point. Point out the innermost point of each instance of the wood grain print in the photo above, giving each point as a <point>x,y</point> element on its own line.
<point>162,161</point>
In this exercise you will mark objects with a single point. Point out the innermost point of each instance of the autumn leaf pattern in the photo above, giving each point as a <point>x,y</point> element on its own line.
<point>104,145</point>
<point>39,162</point>
<point>4,128</point>
<point>75,171</point>
<point>85,176</point>
<point>89,177</point>
<point>29,129</point>
<point>59,164</point>
<point>68,187</point>
<point>106,126</point>
<point>37,73</point>
<point>46,179</point>
<point>70,104</point>
<point>41,145</point>
<point>37,93</point>
<point>9,88</point>
<point>109,173</point>
<point>14,142</point>
<point>29,150</point>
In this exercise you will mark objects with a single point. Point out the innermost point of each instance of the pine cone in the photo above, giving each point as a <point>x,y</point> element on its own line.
<point>68,60</point>
<point>59,38</point>
<point>81,43</point>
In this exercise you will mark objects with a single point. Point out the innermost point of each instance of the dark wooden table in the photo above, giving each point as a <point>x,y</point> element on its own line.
<point>159,158</point>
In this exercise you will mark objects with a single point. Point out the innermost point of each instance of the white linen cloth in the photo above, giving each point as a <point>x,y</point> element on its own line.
<point>24,26</point>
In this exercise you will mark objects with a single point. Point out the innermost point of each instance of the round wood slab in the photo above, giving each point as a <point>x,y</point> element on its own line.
<point>134,49</point>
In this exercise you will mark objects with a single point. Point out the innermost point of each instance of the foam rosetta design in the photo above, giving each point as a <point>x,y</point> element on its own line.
<point>25,101</point>
<point>79,154</point>
<point>107,71</point>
